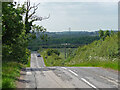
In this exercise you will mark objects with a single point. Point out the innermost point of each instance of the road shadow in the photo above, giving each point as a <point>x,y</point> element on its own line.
<point>39,69</point>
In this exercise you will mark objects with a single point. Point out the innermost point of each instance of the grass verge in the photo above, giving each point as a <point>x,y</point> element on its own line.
<point>105,64</point>
<point>28,64</point>
<point>55,60</point>
<point>10,72</point>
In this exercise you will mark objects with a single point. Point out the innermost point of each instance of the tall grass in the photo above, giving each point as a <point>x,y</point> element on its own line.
<point>55,60</point>
<point>96,63</point>
<point>10,72</point>
<point>97,54</point>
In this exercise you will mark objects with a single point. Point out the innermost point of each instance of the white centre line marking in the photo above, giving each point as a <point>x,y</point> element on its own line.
<point>29,73</point>
<point>109,80</point>
<point>88,83</point>
<point>36,61</point>
<point>112,79</point>
<point>73,73</point>
<point>63,67</point>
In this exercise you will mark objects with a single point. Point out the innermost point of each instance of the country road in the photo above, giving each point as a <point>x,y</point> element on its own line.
<point>40,76</point>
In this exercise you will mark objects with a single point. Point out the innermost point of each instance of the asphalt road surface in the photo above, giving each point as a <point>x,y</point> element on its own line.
<point>40,76</point>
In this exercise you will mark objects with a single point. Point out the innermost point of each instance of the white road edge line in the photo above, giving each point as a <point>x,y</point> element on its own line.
<point>88,83</point>
<point>112,79</point>
<point>63,67</point>
<point>29,73</point>
<point>109,80</point>
<point>73,73</point>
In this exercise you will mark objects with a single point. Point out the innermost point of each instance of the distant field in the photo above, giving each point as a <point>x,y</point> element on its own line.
<point>97,54</point>
<point>56,40</point>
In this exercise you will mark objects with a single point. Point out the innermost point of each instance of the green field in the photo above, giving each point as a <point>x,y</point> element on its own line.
<point>97,54</point>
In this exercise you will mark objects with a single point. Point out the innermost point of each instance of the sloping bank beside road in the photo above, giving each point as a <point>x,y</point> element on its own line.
<point>101,53</point>
<point>12,72</point>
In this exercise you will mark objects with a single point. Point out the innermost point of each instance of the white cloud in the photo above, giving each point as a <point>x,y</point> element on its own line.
<point>78,15</point>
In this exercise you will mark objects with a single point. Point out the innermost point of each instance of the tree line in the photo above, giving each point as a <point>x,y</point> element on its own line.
<point>104,34</point>
<point>16,30</point>
<point>57,40</point>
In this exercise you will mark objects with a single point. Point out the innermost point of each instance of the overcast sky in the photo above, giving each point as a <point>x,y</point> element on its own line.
<point>82,16</point>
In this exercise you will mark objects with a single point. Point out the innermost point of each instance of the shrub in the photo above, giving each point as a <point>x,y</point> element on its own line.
<point>53,51</point>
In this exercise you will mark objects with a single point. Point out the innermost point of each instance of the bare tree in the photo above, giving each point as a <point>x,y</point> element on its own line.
<point>31,17</point>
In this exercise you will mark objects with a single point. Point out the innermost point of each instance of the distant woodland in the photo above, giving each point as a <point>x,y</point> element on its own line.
<point>58,39</point>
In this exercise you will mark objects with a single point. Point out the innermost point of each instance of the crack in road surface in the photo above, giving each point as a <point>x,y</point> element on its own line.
<point>41,76</point>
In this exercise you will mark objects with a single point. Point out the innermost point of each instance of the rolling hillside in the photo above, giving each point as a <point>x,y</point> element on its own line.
<point>99,53</point>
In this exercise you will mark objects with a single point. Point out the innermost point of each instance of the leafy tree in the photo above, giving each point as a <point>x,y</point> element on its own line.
<point>112,32</point>
<point>13,33</point>
<point>51,51</point>
<point>101,34</point>
<point>39,29</point>
<point>11,23</point>
<point>106,33</point>
<point>55,40</point>
<point>30,16</point>
<point>11,27</point>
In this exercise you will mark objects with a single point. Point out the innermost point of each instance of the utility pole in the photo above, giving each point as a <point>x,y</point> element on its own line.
<point>65,51</point>
<point>65,44</point>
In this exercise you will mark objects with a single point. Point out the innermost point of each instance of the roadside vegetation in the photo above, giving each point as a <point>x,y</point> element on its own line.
<point>18,33</point>
<point>10,73</point>
<point>99,53</point>
<point>15,37</point>
<point>56,56</point>
<point>52,57</point>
